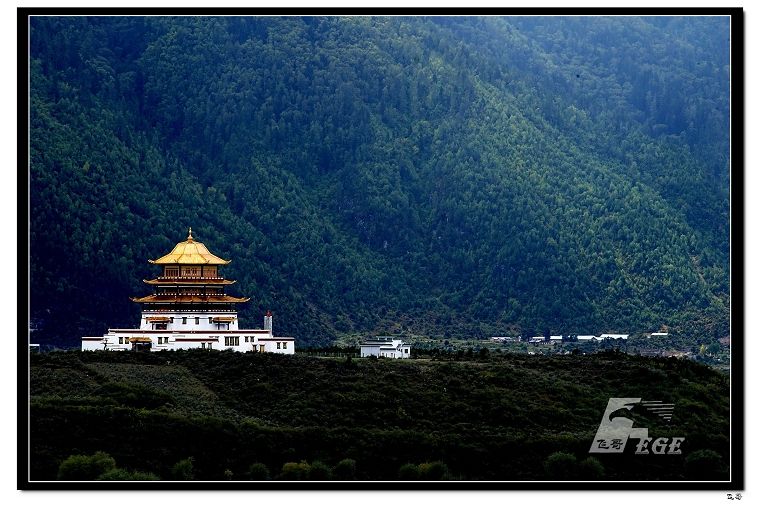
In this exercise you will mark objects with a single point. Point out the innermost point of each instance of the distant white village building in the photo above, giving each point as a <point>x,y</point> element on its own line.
<point>556,338</point>
<point>189,309</point>
<point>385,347</point>
<point>659,334</point>
<point>614,336</point>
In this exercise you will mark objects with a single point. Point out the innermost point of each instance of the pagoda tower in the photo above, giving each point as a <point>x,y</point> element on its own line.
<point>189,287</point>
<point>189,308</point>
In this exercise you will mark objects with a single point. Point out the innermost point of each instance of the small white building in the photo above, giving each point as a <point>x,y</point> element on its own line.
<point>586,337</point>
<point>386,347</point>
<point>555,338</point>
<point>659,334</point>
<point>614,336</point>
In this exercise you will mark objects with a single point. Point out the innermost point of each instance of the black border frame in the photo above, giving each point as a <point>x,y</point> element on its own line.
<point>737,148</point>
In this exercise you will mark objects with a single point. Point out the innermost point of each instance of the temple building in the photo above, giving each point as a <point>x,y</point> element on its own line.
<point>189,309</point>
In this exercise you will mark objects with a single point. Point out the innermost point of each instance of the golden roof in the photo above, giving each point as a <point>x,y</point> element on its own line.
<point>189,252</point>
<point>189,299</point>
<point>139,339</point>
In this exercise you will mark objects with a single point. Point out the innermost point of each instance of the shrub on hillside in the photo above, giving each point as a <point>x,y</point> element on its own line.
<point>590,469</point>
<point>560,466</point>
<point>345,470</point>
<point>183,469</point>
<point>409,471</point>
<point>258,471</point>
<point>319,471</point>
<point>295,471</point>
<point>82,467</point>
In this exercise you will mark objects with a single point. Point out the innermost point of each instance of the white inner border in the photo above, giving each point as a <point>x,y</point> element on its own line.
<point>8,221</point>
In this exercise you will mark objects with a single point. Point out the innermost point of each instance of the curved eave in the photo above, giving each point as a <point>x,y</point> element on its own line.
<point>189,299</point>
<point>163,260</point>
<point>200,282</point>
<point>145,340</point>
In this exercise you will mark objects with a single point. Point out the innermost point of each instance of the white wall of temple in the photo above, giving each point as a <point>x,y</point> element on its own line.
<point>247,341</point>
<point>90,344</point>
<point>280,346</point>
<point>193,330</point>
<point>189,321</point>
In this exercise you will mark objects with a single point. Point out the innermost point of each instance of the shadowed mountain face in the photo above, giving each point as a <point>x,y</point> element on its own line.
<point>452,176</point>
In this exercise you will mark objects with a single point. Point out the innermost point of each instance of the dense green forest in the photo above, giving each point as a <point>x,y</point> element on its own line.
<point>457,176</point>
<point>496,417</point>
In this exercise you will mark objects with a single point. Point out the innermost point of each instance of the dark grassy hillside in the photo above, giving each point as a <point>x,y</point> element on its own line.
<point>447,176</point>
<point>497,418</point>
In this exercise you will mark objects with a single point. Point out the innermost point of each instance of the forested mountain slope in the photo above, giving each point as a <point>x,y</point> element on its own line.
<point>453,176</point>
